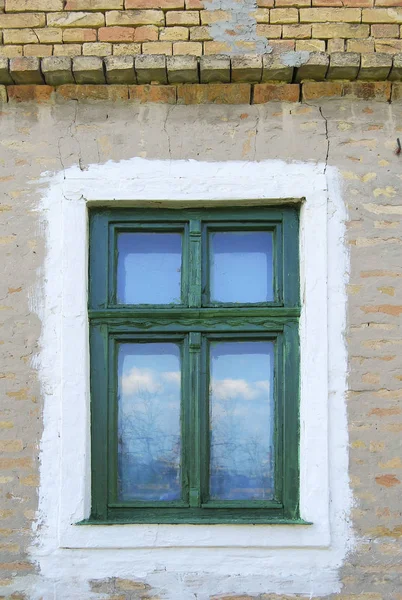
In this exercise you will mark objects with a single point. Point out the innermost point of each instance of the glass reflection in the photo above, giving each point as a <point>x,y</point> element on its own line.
<point>149,268</point>
<point>241,420</point>
<point>241,266</point>
<point>149,442</point>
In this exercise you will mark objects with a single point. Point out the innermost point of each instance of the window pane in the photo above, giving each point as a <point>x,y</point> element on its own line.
<point>241,421</point>
<point>149,268</point>
<point>149,422</point>
<point>241,266</point>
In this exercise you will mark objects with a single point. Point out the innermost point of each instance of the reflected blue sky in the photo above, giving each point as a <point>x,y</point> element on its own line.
<point>149,448</point>
<point>241,420</point>
<point>149,268</point>
<point>241,266</point>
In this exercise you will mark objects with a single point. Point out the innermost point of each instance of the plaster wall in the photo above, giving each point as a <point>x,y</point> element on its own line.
<point>355,142</point>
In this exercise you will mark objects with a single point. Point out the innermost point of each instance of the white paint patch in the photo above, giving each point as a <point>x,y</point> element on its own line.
<point>178,561</point>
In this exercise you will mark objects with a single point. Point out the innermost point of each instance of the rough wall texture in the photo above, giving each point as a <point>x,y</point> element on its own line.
<point>357,137</point>
<point>41,28</point>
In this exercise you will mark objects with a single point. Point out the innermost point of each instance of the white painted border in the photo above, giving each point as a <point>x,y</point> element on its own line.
<point>65,456</point>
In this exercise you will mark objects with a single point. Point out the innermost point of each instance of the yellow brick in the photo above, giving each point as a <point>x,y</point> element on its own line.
<point>173,34</point>
<point>136,17</point>
<point>310,45</point>
<point>330,15</point>
<point>49,35</point>
<point>6,424</point>
<point>382,15</point>
<point>157,48</point>
<point>284,15</point>
<point>97,49</point>
<point>79,35</point>
<point>362,46</point>
<point>30,480</point>
<point>261,15</point>
<point>19,21</point>
<point>38,50</point>
<point>67,49</point>
<point>126,49</point>
<point>10,51</point>
<point>339,30</point>
<point>30,5</point>
<point>20,36</point>
<point>216,48</point>
<point>200,34</point>
<point>296,32</point>
<point>208,17</point>
<point>183,17</point>
<point>193,48</point>
<point>75,19</point>
<point>336,46</point>
<point>269,31</point>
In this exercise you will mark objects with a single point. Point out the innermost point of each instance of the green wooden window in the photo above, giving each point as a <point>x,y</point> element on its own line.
<point>194,365</point>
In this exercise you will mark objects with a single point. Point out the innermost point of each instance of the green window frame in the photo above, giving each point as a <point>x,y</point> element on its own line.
<point>194,323</point>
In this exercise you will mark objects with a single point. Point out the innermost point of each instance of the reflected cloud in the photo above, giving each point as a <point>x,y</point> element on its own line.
<point>226,389</point>
<point>140,380</point>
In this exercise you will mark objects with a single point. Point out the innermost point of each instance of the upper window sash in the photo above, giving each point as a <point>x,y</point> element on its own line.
<point>196,229</point>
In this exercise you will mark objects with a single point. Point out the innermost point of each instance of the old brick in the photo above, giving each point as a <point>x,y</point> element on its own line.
<point>170,34</point>
<point>93,4</point>
<point>38,50</point>
<point>11,445</point>
<point>25,70</point>
<point>247,69</point>
<point>135,17</point>
<point>5,77</point>
<point>97,49</point>
<point>10,51</point>
<point>32,5</point>
<point>339,30</point>
<point>274,69</point>
<point>200,34</point>
<point>146,33</point>
<point>211,48</point>
<point>214,93</point>
<point>360,45</point>
<point>315,67</point>
<point>154,94</point>
<point>67,50</point>
<point>57,70</point>
<point>165,4</point>
<point>313,90</point>
<point>296,32</point>
<point>182,69</point>
<point>120,69</point>
<point>116,34</point>
<point>375,66</point>
<point>183,18</point>
<point>151,69</point>
<point>284,15</point>
<point>382,15</point>
<point>49,35</point>
<point>209,17</point>
<point>387,309</point>
<point>267,92</point>
<point>80,35</point>
<point>191,48</point>
<point>25,93</point>
<point>158,48</point>
<point>330,15</point>
<point>336,45</point>
<point>20,36</point>
<point>19,21</point>
<point>344,65</point>
<point>269,31</point>
<point>385,31</point>
<point>76,19</point>
<point>310,45</point>
<point>365,90</point>
<point>396,72</point>
<point>88,69</point>
<point>126,49</point>
<point>388,46</point>
<point>113,93</point>
<point>215,69</point>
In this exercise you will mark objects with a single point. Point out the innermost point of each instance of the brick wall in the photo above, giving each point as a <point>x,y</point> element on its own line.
<point>41,28</point>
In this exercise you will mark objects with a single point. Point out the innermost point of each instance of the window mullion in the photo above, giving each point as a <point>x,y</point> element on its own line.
<point>194,408</point>
<point>195,264</point>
